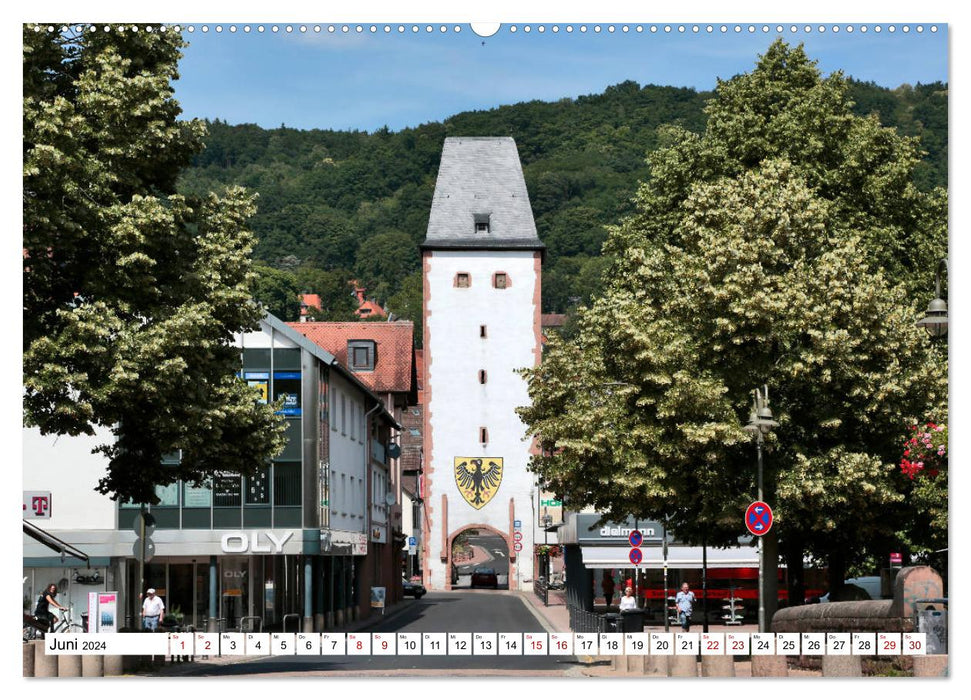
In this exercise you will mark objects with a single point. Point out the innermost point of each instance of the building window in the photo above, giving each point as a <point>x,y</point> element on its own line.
<point>286,484</point>
<point>481,223</point>
<point>361,354</point>
<point>482,332</point>
<point>500,280</point>
<point>483,435</point>
<point>343,414</point>
<point>463,279</point>
<point>482,376</point>
<point>258,488</point>
<point>227,488</point>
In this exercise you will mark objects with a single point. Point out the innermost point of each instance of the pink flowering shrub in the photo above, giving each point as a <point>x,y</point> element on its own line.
<point>925,450</point>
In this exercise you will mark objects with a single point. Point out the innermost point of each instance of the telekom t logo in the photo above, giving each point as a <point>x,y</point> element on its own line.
<point>40,505</point>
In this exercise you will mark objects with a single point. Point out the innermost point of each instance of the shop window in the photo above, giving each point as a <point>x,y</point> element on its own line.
<point>286,388</point>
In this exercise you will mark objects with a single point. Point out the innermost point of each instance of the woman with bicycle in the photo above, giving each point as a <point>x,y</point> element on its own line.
<point>44,604</point>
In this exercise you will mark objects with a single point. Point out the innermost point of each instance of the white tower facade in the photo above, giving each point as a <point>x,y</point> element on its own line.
<point>482,281</point>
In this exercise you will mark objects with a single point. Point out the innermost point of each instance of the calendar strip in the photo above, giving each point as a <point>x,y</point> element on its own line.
<point>490,643</point>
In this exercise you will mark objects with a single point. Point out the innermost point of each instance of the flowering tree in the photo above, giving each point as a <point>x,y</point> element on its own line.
<point>783,245</point>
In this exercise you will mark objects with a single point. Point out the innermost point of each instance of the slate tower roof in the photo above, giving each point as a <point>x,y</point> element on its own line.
<point>480,199</point>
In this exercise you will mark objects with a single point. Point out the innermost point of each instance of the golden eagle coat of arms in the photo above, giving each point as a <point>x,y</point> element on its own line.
<point>478,478</point>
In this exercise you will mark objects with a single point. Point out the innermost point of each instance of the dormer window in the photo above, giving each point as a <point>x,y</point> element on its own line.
<point>360,355</point>
<point>481,223</point>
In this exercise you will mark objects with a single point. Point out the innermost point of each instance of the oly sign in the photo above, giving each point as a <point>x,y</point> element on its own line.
<point>256,542</point>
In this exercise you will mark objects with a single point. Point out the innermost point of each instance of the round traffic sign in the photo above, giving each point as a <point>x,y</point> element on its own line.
<point>517,535</point>
<point>143,551</point>
<point>148,520</point>
<point>635,538</point>
<point>636,555</point>
<point>518,546</point>
<point>758,518</point>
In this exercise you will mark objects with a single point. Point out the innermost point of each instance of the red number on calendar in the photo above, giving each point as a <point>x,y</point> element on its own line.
<point>891,645</point>
<point>384,645</point>
<point>738,646</point>
<point>360,645</point>
<point>561,645</point>
<point>207,645</point>
<point>914,645</point>
<point>712,644</point>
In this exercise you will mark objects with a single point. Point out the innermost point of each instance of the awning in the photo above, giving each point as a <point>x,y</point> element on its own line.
<point>48,540</point>
<point>679,557</point>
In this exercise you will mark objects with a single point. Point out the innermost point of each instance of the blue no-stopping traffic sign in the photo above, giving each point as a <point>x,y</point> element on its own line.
<point>758,518</point>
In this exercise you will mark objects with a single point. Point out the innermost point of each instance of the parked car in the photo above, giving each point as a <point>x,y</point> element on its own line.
<point>413,588</point>
<point>482,576</point>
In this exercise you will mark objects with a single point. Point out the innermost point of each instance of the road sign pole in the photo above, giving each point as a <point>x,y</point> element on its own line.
<point>762,627</point>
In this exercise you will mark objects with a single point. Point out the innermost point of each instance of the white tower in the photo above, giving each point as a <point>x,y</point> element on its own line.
<point>482,273</point>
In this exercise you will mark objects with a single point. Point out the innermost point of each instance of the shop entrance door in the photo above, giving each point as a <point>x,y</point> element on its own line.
<point>234,590</point>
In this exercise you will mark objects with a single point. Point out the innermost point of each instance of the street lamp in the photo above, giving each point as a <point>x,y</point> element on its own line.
<point>935,322</point>
<point>761,423</point>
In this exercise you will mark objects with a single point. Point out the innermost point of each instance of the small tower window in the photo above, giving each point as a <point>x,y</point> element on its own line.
<point>481,223</point>
<point>463,279</point>
<point>482,332</point>
<point>482,376</point>
<point>500,280</point>
<point>483,435</point>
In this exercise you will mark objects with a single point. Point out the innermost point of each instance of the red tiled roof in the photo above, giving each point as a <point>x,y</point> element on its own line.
<point>552,320</point>
<point>370,309</point>
<point>310,300</point>
<point>394,349</point>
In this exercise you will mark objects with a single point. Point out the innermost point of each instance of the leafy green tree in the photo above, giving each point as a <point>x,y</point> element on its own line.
<point>384,260</point>
<point>407,303</point>
<point>782,247</point>
<point>132,294</point>
<point>277,291</point>
<point>337,300</point>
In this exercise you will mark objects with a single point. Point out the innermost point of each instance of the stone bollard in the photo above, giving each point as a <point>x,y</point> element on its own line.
<point>92,666</point>
<point>769,666</point>
<point>114,665</point>
<point>683,666</point>
<point>718,666</point>
<point>45,666</point>
<point>842,666</point>
<point>29,650</point>
<point>930,666</point>
<point>69,666</point>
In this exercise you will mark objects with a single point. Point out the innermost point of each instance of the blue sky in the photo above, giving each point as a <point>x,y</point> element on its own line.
<point>364,80</point>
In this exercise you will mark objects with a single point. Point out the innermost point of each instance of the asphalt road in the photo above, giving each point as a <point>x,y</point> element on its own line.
<point>466,611</point>
<point>495,546</point>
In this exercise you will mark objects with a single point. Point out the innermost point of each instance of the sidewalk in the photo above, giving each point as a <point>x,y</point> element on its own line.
<point>182,668</point>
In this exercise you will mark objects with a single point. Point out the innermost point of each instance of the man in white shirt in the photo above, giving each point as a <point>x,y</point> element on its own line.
<point>152,610</point>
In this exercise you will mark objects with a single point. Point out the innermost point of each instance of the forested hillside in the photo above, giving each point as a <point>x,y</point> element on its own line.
<point>342,205</point>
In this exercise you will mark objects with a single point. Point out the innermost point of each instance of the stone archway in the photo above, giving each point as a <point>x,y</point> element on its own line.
<point>488,547</point>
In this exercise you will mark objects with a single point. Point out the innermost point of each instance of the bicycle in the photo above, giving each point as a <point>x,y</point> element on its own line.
<point>35,628</point>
